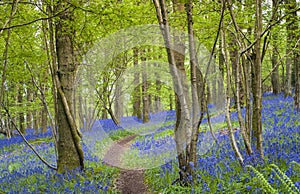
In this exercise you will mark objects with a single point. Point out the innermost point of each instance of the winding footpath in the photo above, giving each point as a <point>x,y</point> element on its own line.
<point>129,181</point>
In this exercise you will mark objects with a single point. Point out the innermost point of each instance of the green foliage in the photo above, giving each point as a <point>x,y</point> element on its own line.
<point>14,166</point>
<point>287,183</point>
<point>263,182</point>
<point>164,133</point>
<point>119,134</point>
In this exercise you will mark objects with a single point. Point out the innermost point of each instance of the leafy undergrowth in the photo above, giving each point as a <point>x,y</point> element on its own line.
<point>154,149</point>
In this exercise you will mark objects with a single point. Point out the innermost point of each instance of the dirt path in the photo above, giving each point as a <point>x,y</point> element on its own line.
<point>129,181</point>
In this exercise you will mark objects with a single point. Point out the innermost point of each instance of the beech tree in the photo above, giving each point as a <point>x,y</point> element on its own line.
<point>70,154</point>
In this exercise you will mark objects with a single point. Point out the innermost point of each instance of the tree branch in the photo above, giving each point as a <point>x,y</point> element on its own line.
<point>25,140</point>
<point>33,21</point>
<point>278,63</point>
<point>266,30</point>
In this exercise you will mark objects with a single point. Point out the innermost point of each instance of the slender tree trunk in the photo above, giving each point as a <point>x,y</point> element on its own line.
<point>257,82</point>
<point>293,52</point>
<point>105,98</point>
<point>227,107</point>
<point>196,108</point>
<point>245,135</point>
<point>297,76</point>
<point>36,117</point>
<point>113,116</point>
<point>291,28</point>
<point>182,110</point>
<point>29,117</point>
<point>233,52</point>
<point>44,120</point>
<point>21,114</point>
<point>137,90</point>
<point>157,100</point>
<point>183,127</point>
<point>220,100</point>
<point>171,101</point>
<point>118,105</point>
<point>247,82</point>
<point>145,95</point>
<point>275,74</point>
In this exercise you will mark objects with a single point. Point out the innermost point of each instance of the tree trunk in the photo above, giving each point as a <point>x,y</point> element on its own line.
<point>21,114</point>
<point>246,136</point>
<point>104,98</point>
<point>233,53</point>
<point>29,117</point>
<point>70,154</point>
<point>293,52</point>
<point>183,127</point>
<point>36,117</point>
<point>257,82</point>
<point>157,100</point>
<point>247,82</point>
<point>275,74</point>
<point>291,28</point>
<point>145,95</point>
<point>112,115</point>
<point>118,105</point>
<point>44,120</point>
<point>227,107</point>
<point>196,108</point>
<point>137,90</point>
<point>297,76</point>
<point>171,101</point>
<point>176,63</point>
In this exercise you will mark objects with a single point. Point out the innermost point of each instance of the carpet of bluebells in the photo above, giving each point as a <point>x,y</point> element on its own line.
<point>217,170</point>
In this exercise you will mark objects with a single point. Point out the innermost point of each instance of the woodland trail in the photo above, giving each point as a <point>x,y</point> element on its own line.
<point>129,181</point>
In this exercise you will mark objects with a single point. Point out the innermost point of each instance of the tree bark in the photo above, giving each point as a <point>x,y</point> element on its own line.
<point>293,52</point>
<point>145,95</point>
<point>157,99</point>
<point>196,108</point>
<point>20,104</point>
<point>227,107</point>
<point>137,90</point>
<point>182,110</point>
<point>29,113</point>
<point>275,74</point>
<point>291,28</point>
<point>257,82</point>
<point>70,154</point>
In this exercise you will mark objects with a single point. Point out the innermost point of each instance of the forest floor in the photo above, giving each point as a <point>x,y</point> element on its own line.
<point>130,180</point>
